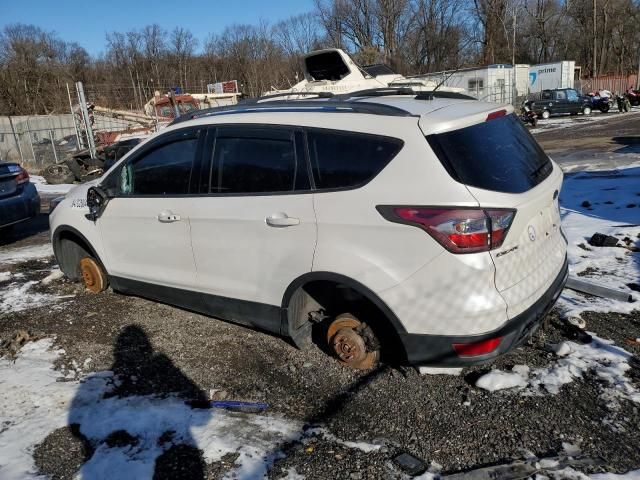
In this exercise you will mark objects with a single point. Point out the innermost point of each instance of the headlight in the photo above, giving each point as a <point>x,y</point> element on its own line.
<point>55,202</point>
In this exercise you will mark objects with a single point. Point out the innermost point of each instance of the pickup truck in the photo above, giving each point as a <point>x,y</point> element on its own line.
<point>560,100</point>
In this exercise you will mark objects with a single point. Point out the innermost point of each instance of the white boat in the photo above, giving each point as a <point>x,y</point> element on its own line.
<point>332,70</point>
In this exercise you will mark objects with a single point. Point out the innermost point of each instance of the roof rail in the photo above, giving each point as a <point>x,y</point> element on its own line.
<point>430,95</point>
<point>267,98</point>
<point>330,105</point>
<point>377,92</point>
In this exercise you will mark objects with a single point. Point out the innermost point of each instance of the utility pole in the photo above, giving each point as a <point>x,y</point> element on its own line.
<point>595,67</point>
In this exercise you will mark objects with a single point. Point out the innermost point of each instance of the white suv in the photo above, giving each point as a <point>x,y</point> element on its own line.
<point>423,227</point>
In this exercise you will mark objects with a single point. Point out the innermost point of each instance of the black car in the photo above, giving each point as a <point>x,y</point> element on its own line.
<point>560,100</point>
<point>19,199</point>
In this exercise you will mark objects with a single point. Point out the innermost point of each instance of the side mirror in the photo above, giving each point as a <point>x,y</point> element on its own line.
<point>96,201</point>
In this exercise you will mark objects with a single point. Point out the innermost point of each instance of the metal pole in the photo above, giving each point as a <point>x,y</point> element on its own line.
<point>31,142</point>
<point>87,123</point>
<point>73,118</point>
<point>638,76</point>
<point>53,145</point>
<point>17,140</point>
<point>595,54</point>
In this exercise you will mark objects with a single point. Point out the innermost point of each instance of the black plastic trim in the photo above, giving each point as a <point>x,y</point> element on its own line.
<point>252,314</point>
<point>438,349</point>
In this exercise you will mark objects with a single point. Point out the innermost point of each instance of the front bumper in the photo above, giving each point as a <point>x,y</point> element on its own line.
<point>20,207</point>
<point>438,349</point>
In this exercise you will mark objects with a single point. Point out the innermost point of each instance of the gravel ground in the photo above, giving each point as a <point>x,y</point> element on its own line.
<point>437,418</point>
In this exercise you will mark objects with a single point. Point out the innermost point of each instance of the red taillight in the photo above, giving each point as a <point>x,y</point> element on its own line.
<point>494,115</point>
<point>459,230</point>
<point>477,348</point>
<point>23,176</point>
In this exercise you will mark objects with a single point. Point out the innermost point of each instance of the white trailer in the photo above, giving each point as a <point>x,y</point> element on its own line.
<point>552,75</point>
<point>493,83</point>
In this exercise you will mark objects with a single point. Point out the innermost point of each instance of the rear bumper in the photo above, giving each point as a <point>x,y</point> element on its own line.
<point>438,349</point>
<point>20,207</point>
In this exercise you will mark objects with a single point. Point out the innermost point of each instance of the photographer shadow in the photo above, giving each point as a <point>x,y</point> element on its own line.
<point>147,392</point>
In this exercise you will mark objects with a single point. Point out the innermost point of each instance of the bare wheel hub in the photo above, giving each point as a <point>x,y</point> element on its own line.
<point>349,346</point>
<point>92,275</point>
<point>353,342</point>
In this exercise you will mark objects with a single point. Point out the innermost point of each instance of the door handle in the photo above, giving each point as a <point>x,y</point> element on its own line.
<point>281,220</point>
<point>167,216</point>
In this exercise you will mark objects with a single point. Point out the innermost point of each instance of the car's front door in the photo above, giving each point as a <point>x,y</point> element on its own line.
<point>255,232</point>
<point>145,227</point>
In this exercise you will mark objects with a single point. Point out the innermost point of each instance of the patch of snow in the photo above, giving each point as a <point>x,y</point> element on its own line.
<point>439,371</point>
<point>43,187</point>
<point>499,380</point>
<point>4,276</point>
<point>607,361</point>
<point>569,473</point>
<point>568,121</point>
<point>631,475</point>
<point>601,357</point>
<point>562,349</point>
<point>52,277</point>
<point>427,476</point>
<point>17,297</point>
<point>23,254</point>
<point>33,403</point>
<point>609,193</point>
<point>362,446</point>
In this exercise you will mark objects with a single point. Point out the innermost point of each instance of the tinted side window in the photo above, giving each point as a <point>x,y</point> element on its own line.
<point>165,170</point>
<point>348,160</point>
<point>560,95</point>
<point>256,160</point>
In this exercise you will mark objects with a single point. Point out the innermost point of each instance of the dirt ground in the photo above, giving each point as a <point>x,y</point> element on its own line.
<point>442,419</point>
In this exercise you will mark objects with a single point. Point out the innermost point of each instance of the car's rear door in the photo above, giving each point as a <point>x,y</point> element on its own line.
<point>255,231</point>
<point>562,104</point>
<point>503,167</point>
<point>145,227</point>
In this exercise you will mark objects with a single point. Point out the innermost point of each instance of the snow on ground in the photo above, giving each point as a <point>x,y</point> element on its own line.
<point>566,121</point>
<point>613,209</point>
<point>43,187</point>
<point>569,473</point>
<point>600,357</point>
<point>16,297</point>
<point>34,403</point>
<point>499,380</point>
<point>23,254</point>
<point>439,371</point>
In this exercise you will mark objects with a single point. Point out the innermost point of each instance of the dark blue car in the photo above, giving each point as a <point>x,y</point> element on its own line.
<point>19,198</point>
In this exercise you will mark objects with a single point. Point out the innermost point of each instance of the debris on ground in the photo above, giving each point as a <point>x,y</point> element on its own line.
<point>520,469</point>
<point>10,347</point>
<point>598,290</point>
<point>409,464</point>
<point>52,277</point>
<point>602,240</point>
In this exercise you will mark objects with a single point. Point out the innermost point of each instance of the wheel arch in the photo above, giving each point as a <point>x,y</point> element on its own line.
<point>296,301</point>
<point>69,244</point>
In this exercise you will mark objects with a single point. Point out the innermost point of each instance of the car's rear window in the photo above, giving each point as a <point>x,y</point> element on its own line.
<point>498,155</point>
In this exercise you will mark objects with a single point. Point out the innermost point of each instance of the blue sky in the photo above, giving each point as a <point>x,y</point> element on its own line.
<point>87,22</point>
